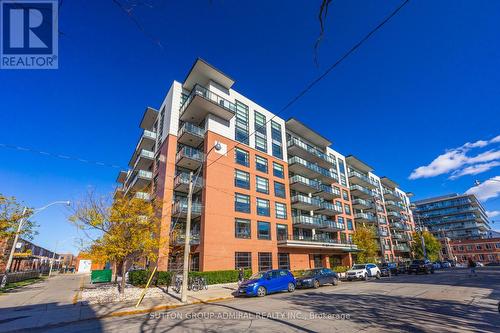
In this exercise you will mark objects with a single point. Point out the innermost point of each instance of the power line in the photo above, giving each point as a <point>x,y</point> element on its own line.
<point>329,69</point>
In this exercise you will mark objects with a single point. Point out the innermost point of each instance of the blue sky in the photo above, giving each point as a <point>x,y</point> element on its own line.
<point>424,85</point>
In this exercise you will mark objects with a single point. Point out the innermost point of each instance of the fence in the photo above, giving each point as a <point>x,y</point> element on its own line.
<point>21,276</point>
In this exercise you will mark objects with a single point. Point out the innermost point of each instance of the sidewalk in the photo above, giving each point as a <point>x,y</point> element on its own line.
<point>56,300</point>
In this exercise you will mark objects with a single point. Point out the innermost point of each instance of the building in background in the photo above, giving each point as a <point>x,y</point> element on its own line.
<point>29,257</point>
<point>68,261</point>
<point>486,250</point>
<point>268,193</point>
<point>454,216</point>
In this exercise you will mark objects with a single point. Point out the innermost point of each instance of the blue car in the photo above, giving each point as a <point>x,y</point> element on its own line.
<point>263,283</point>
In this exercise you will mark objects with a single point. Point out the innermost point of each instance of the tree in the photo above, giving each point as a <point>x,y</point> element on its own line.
<point>128,229</point>
<point>364,238</point>
<point>432,246</point>
<point>11,213</point>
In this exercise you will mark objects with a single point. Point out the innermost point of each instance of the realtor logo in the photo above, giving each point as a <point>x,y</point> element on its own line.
<point>29,35</point>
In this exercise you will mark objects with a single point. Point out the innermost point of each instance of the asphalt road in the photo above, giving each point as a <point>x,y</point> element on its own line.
<point>448,301</point>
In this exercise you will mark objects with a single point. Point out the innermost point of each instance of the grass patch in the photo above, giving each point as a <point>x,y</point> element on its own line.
<point>15,285</point>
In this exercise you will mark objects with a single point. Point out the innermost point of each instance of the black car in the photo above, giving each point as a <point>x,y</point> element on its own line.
<point>421,266</point>
<point>314,278</point>
<point>388,268</point>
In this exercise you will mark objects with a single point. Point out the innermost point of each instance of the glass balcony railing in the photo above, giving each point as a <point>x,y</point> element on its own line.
<point>149,134</point>
<point>329,189</point>
<point>330,206</point>
<point>306,181</point>
<point>192,129</point>
<point>142,196</point>
<point>318,238</point>
<point>362,189</point>
<point>183,179</point>
<point>394,215</point>
<point>310,149</point>
<point>366,179</point>
<point>306,200</point>
<point>180,207</point>
<point>313,167</point>
<point>190,153</point>
<point>362,202</point>
<point>199,90</point>
<point>397,225</point>
<point>314,222</point>
<point>365,216</point>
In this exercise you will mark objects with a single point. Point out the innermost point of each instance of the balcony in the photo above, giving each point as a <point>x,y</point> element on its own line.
<point>310,170</point>
<point>394,215</point>
<point>394,205</point>
<point>181,183</point>
<point>179,209</point>
<point>401,248</point>
<point>397,236</point>
<point>122,176</point>
<point>386,247</point>
<point>201,102</point>
<point>361,192</point>
<point>303,184</point>
<point>296,147</point>
<point>381,233</point>
<point>303,202</point>
<point>332,226</point>
<point>362,204</point>
<point>316,242</point>
<point>329,209</point>
<point>397,226</point>
<point>365,218</point>
<point>142,196</point>
<point>328,192</point>
<point>391,195</point>
<point>381,220</point>
<point>191,135</point>
<point>307,222</point>
<point>147,140</point>
<point>141,180</point>
<point>358,178</point>
<point>189,158</point>
<point>143,160</point>
<point>119,191</point>
<point>180,238</point>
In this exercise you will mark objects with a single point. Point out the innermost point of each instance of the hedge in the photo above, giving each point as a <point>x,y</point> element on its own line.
<point>162,278</point>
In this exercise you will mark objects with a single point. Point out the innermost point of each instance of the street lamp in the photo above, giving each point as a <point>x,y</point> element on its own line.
<point>19,227</point>
<point>414,207</point>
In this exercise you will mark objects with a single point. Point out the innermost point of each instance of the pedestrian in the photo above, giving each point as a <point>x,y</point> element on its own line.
<point>472,266</point>
<point>241,275</point>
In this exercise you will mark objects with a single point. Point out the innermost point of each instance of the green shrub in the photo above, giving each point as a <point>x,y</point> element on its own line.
<point>298,272</point>
<point>341,269</point>
<point>215,277</point>
<point>140,278</point>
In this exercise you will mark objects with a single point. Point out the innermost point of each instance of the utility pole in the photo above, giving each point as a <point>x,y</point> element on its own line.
<point>187,245</point>
<point>13,249</point>
<point>52,261</point>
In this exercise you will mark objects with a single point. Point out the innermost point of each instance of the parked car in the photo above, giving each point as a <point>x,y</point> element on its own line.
<point>479,264</point>
<point>493,264</point>
<point>421,266</point>
<point>313,278</point>
<point>445,264</point>
<point>436,265</point>
<point>388,268</point>
<point>263,283</point>
<point>363,271</point>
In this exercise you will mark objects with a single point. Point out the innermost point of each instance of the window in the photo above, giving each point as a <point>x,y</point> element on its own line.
<point>277,139</point>
<point>279,190</point>
<point>241,128</point>
<point>242,228</point>
<point>488,246</point>
<point>338,204</point>
<point>194,265</point>
<point>469,247</point>
<point>343,181</point>
<point>243,260</point>
<point>241,203</point>
<point>347,209</point>
<point>241,179</point>
<point>262,185</point>
<point>281,231</point>
<point>340,219</point>
<point>345,195</point>
<point>260,132</point>
<point>263,230</point>
<point>349,225</point>
<point>263,207</point>
<point>341,167</point>
<point>278,170</point>
<point>283,260</point>
<point>241,157</point>
<point>265,261</point>
<point>478,247</point>
<point>260,164</point>
<point>497,245</point>
<point>280,210</point>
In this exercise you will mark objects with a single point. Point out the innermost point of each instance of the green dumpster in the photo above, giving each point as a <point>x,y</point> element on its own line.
<point>102,275</point>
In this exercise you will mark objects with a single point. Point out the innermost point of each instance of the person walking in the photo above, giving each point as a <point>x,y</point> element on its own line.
<point>472,266</point>
<point>241,275</point>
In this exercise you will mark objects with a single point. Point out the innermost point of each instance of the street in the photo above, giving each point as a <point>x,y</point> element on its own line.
<point>449,300</point>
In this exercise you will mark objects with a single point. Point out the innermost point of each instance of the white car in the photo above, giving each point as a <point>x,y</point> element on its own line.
<point>479,264</point>
<point>363,272</point>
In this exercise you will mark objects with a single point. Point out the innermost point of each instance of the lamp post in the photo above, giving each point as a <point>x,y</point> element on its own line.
<point>187,246</point>
<point>19,228</point>
<point>420,226</point>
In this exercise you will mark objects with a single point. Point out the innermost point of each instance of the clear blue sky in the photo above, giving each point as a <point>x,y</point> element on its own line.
<point>425,83</point>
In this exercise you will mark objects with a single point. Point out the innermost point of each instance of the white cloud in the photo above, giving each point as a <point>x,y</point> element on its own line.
<point>493,213</point>
<point>456,161</point>
<point>486,190</point>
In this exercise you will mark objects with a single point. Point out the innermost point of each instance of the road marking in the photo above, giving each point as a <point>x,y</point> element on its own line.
<point>77,294</point>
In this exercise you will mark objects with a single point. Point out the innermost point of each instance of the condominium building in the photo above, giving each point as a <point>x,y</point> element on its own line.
<point>267,193</point>
<point>454,216</point>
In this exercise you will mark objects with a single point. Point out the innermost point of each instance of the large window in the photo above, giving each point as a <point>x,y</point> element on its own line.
<point>345,195</point>
<point>279,190</point>
<point>263,207</point>
<point>261,163</point>
<point>242,228</point>
<point>283,261</point>
<point>277,139</point>
<point>281,231</point>
<point>262,185</point>
<point>243,260</point>
<point>263,230</point>
<point>242,157</point>
<point>265,261</point>
<point>349,225</point>
<point>241,203</point>
<point>241,179</point>
<point>347,209</point>
<point>260,132</point>
<point>278,170</point>
<point>280,210</point>
<point>241,129</point>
